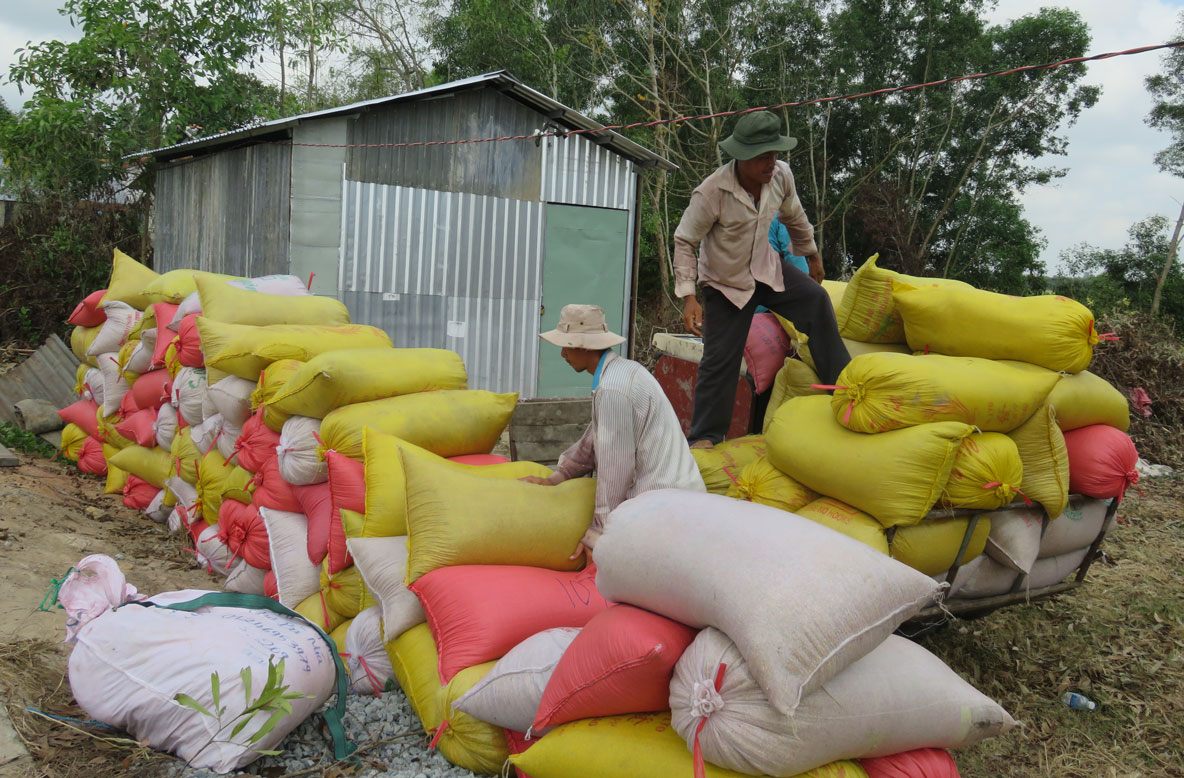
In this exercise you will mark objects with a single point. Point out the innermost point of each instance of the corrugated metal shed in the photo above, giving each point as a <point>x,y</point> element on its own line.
<point>46,375</point>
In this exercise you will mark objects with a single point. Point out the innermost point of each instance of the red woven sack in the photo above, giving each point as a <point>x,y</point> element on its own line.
<point>621,662</point>
<point>765,350</point>
<point>88,313</point>
<point>256,444</point>
<point>1102,461</point>
<point>84,414</point>
<point>270,587</point>
<point>91,459</point>
<point>479,459</point>
<point>243,531</point>
<point>152,389</point>
<point>316,503</point>
<point>347,482</point>
<point>918,763</point>
<point>479,612</point>
<point>138,493</point>
<point>140,428</point>
<point>127,406</point>
<point>164,336</point>
<point>273,491</point>
<point>189,351</point>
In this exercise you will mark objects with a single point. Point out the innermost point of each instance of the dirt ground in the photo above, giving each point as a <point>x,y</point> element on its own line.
<point>1119,639</point>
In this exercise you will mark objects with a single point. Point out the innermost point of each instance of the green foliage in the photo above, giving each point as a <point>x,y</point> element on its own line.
<point>13,437</point>
<point>274,700</point>
<point>1167,112</point>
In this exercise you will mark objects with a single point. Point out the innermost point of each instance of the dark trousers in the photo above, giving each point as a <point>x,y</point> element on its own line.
<point>725,330</point>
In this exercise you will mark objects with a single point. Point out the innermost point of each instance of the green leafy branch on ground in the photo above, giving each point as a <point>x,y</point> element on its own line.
<point>15,438</point>
<point>274,699</point>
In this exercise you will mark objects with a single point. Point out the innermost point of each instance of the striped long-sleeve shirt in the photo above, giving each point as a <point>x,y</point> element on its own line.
<point>634,442</point>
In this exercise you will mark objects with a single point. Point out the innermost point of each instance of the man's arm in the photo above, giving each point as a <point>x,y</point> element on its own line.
<point>579,460</point>
<point>616,443</point>
<point>696,221</point>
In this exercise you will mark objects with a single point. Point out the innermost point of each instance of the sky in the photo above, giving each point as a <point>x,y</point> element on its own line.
<point>1112,181</point>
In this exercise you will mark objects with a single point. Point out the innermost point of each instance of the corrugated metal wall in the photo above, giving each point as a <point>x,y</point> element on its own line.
<point>448,270</point>
<point>576,171</point>
<point>227,212</point>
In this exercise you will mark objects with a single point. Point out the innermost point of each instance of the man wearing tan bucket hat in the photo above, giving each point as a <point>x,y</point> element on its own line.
<point>635,442</point>
<point>728,221</point>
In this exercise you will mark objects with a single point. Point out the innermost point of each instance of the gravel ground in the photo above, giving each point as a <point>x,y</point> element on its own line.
<point>387,732</point>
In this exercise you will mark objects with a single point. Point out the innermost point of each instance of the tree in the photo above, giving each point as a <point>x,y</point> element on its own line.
<point>1167,113</point>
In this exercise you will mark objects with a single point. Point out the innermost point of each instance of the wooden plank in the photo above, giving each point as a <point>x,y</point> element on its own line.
<point>7,459</point>
<point>547,412</point>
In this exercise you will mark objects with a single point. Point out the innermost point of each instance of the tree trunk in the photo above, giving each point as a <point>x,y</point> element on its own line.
<point>1167,264</point>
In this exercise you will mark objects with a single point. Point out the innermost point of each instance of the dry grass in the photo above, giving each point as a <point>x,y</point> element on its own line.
<point>1119,639</point>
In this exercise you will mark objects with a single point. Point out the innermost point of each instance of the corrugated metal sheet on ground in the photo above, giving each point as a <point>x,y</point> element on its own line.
<point>448,270</point>
<point>47,375</point>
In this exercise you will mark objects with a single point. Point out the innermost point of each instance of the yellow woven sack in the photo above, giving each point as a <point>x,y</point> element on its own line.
<point>868,312</point>
<point>386,483</point>
<point>642,744</point>
<point>271,381</point>
<point>414,659</point>
<point>124,354</point>
<point>73,437</point>
<point>460,518</point>
<point>222,302</point>
<point>316,610</point>
<point>1083,399</point>
<point>794,379</point>
<point>852,522</point>
<point>338,378</point>
<point>80,378</point>
<point>80,340</point>
<point>857,348</point>
<point>931,546</point>
<point>345,592</point>
<point>987,473</point>
<point>186,457</point>
<point>172,361</point>
<point>720,465</point>
<point>128,279</point>
<point>107,433</point>
<point>212,476</point>
<point>169,499</point>
<point>451,422</point>
<point>338,636</point>
<point>762,483</point>
<point>116,478</point>
<point>153,465</point>
<point>175,285</point>
<point>881,392</point>
<point>240,485</point>
<point>895,476</point>
<point>1046,330</point>
<point>244,350</point>
<point>1045,460</point>
<point>836,290</point>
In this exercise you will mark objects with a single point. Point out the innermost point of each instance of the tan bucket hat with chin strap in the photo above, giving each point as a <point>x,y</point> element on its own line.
<point>582,326</point>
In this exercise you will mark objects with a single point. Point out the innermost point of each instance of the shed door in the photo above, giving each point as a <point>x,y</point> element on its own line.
<point>585,260</point>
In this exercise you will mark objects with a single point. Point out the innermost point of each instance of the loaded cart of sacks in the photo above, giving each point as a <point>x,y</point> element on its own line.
<point>351,485</point>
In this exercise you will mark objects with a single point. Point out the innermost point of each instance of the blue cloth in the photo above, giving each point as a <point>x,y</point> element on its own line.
<point>779,239</point>
<point>599,370</point>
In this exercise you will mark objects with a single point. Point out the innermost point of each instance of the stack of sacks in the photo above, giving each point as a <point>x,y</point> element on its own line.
<point>1002,370</point>
<point>619,695</point>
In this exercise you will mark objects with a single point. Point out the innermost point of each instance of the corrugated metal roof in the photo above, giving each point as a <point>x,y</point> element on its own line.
<point>500,80</point>
<point>47,375</point>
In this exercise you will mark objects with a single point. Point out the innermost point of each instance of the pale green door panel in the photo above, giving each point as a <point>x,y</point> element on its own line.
<point>586,260</point>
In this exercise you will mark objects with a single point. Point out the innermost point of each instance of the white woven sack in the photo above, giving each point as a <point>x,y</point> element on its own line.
<point>92,382</point>
<point>1054,569</point>
<point>509,694</point>
<point>121,320</point>
<point>1076,528</point>
<point>189,389</point>
<point>191,304</point>
<point>228,435</point>
<point>282,285</point>
<point>156,510</point>
<point>365,656</point>
<point>176,520</point>
<point>115,386</point>
<point>128,665</point>
<point>245,578</point>
<point>204,434</point>
<point>208,408</point>
<point>212,553</point>
<point>186,494</point>
<point>896,698</point>
<point>801,600</point>
<point>965,573</point>
<point>140,360</point>
<point>983,577</point>
<point>231,397</point>
<point>299,462</point>
<point>383,565</point>
<point>1014,541</point>
<point>165,426</point>
<point>296,577</point>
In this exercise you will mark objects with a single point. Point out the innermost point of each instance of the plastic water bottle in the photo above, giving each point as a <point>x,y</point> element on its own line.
<point>1077,701</point>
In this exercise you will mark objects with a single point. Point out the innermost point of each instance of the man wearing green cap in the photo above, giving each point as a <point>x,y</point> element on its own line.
<point>728,221</point>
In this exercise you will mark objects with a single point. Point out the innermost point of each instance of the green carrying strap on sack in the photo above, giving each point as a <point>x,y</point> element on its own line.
<point>342,747</point>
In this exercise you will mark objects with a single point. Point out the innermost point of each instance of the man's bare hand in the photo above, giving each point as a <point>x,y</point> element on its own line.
<point>581,549</point>
<point>534,479</point>
<point>815,263</point>
<point>692,315</point>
